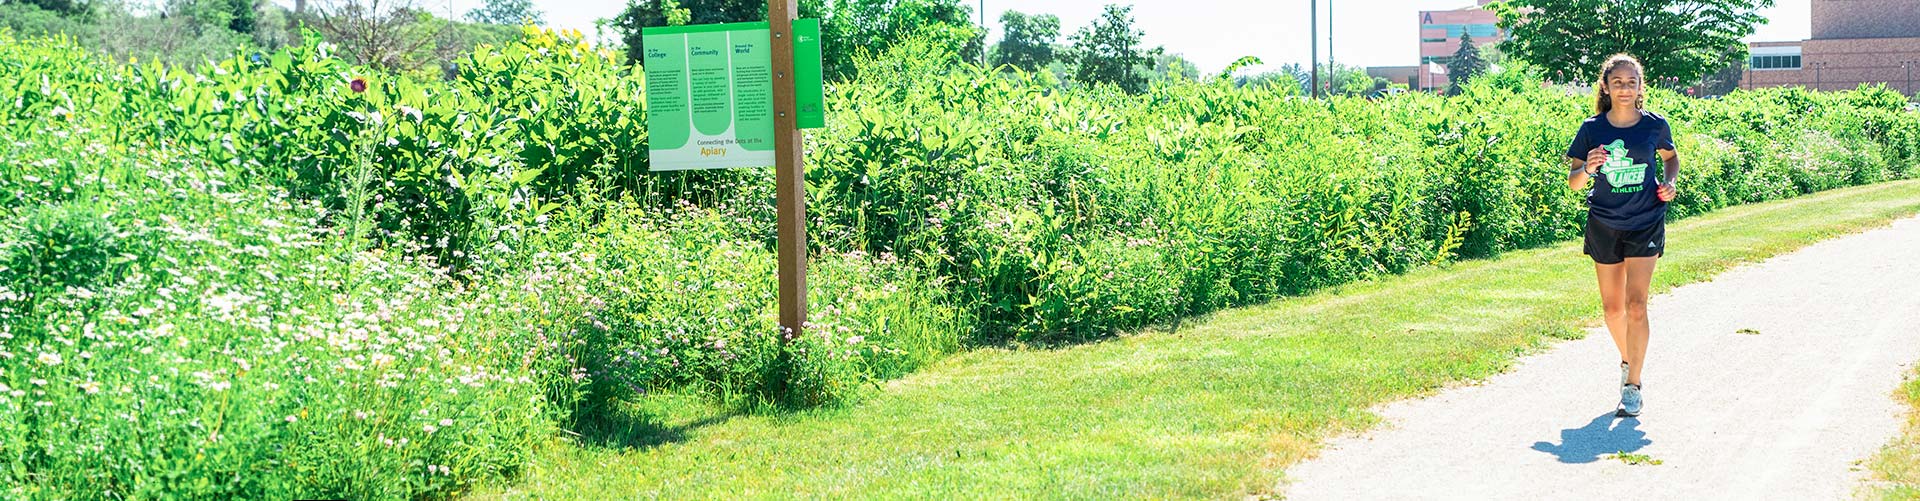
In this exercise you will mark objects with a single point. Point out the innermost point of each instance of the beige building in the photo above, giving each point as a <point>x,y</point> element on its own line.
<point>1854,42</point>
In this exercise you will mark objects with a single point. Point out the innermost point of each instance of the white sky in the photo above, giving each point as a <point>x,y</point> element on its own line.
<point>1213,33</point>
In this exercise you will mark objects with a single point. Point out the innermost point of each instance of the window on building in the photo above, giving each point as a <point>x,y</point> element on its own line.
<point>1480,31</point>
<point>1775,62</point>
<point>1432,40</point>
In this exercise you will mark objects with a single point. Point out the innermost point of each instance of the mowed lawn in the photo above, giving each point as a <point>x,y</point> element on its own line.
<point>1217,407</point>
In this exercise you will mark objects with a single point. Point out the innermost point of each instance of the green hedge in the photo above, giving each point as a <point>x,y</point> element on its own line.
<point>1068,215</point>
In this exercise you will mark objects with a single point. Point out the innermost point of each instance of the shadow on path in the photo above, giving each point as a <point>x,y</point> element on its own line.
<point>1601,436</point>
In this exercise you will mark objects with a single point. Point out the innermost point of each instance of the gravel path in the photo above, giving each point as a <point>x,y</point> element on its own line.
<point>1786,413</point>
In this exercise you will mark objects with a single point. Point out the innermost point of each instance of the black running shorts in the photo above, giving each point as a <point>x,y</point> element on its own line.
<point>1611,246</point>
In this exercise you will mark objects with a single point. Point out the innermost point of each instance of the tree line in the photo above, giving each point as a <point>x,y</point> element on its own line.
<point>396,35</point>
<point>1108,51</point>
<point>1690,42</point>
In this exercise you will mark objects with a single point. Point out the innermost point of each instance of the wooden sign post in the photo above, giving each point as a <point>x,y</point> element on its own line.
<point>789,173</point>
<point>737,95</point>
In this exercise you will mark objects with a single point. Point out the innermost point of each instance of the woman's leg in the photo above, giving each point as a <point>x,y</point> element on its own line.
<point>1639,280</point>
<point>1613,298</point>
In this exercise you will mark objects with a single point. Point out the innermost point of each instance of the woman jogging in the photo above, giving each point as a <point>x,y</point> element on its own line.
<point>1618,149</point>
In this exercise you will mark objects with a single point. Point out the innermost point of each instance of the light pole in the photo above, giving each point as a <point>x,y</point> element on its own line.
<point>1313,58</point>
<point>1908,65</point>
<point>1816,74</point>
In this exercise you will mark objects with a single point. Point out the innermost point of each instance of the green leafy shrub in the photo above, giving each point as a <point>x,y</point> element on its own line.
<point>684,301</point>
<point>60,246</point>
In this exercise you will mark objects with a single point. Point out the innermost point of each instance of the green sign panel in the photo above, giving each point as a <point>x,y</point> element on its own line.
<point>710,93</point>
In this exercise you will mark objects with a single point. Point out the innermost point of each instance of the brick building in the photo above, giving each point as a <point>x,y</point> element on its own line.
<point>1854,42</point>
<point>1440,32</point>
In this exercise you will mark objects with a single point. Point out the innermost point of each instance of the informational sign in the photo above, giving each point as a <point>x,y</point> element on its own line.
<point>710,93</point>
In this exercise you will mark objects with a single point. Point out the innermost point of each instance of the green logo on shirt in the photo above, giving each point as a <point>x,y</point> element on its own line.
<point>1621,172</point>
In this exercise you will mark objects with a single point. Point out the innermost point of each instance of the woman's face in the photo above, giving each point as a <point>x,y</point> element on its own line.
<point>1623,85</point>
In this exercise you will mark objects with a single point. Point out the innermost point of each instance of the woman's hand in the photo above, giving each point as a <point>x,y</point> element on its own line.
<point>1667,191</point>
<point>1596,157</point>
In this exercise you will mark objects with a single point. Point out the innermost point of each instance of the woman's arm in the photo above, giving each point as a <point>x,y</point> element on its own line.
<point>1576,174</point>
<point>1579,172</point>
<point>1672,160</point>
<point>1667,191</point>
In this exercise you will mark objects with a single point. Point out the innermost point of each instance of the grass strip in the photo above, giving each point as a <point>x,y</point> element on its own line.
<point>1896,469</point>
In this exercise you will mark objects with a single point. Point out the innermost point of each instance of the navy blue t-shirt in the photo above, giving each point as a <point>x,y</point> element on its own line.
<point>1623,196</point>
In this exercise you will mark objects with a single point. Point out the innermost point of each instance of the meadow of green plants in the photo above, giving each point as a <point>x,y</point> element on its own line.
<point>280,275</point>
